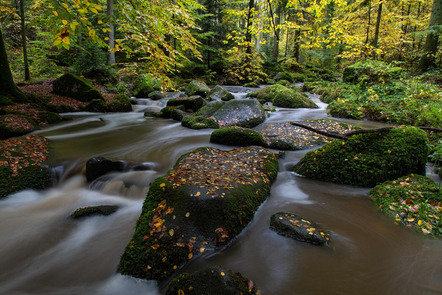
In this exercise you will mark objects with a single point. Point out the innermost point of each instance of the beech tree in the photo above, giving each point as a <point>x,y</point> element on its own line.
<point>432,41</point>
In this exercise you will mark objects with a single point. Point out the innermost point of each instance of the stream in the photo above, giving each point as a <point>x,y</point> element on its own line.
<point>42,251</point>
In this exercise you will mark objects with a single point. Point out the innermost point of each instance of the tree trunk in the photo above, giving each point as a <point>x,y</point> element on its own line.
<point>297,44</point>
<point>7,85</point>
<point>23,38</point>
<point>376,33</point>
<point>111,36</point>
<point>428,59</point>
<point>248,28</point>
<point>368,28</point>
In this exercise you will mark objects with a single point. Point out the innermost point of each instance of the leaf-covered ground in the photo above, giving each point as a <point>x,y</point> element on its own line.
<point>287,136</point>
<point>22,152</point>
<point>16,122</point>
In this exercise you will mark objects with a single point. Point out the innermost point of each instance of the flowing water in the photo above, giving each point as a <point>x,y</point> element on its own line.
<point>42,251</point>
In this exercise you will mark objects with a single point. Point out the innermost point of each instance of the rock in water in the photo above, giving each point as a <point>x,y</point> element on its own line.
<point>214,280</point>
<point>94,210</point>
<point>76,87</point>
<point>206,200</point>
<point>219,93</point>
<point>196,87</point>
<point>292,226</point>
<point>98,166</point>
<point>368,159</point>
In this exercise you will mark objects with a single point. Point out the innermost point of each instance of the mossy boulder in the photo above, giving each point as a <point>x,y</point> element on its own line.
<point>251,85</point>
<point>295,227</point>
<point>47,117</point>
<point>176,113</point>
<point>96,106</point>
<point>144,85</point>
<point>370,71</point>
<point>99,166</point>
<point>368,159</point>
<point>193,103</point>
<point>414,201</point>
<point>268,93</point>
<point>94,210</point>
<point>219,93</point>
<point>201,204</point>
<point>213,280</point>
<point>239,136</point>
<point>198,122</point>
<point>22,164</point>
<point>76,87</point>
<point>156,95</point>
<point>289,98</point>
<point>12,125</point>
<point>196,87</point>
<point>120,103</point>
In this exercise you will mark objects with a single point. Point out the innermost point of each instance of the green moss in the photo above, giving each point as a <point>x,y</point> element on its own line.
<point>144,85</point>
<point>32,177</point>
<point>251,84</point>
<point>368,159</point>
<point>196,87</point>
<point>210,109</point>
<point>175,113</point>
<point>121,103</point>
<point>155,95</point>
<point>237,136</point>
<point>289,98</point>
<point>219,93</point>
<point>268,93</point>
<point>214,280</point>
<point>193,208</point>
<point>414,201</point>
<point>96,106</point>
<point>193,103</point>
<point>76,87</point>
<point>94,210</point>
<point>245,113</point>
<point>49,117</point>
<point>198,122</point>
<point>283,82</point>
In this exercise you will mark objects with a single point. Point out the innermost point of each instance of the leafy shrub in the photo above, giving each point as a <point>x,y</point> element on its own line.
<point>369,71</point>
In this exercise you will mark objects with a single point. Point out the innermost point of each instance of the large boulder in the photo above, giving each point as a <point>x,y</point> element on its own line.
<point>414,201</point>
<point>193,103</point>
<point>295,227</point>
<point>76,87</point>
<point>368,159</point>
<point>289,98</point>
<point>99,166</point>
<point>22,164</point>
<point>268,93</point>
<point>219,93</point>
<point>238,136</point>
<point>238,112</point>
<point>196,87</point>
<point>201,204</point>
<point>213,280</point>
<point>120,103</point>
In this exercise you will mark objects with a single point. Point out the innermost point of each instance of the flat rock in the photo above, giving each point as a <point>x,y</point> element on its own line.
<point>295,227</point>
<point>94,210</point>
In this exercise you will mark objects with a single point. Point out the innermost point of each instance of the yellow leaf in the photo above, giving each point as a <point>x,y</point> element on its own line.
<point>107,38</point>
<point>99,22</point>
<point>66,40</point>
<point>93,10</point>
<point>162,185</point>
<point>223,274</point>
<point>171,232</point>
<point>65,22</point>
<point>55,12</point>
<point>190,255</point>
<point>180,292</point>
<point>57,41</point>
<point>164,259</point>
<point>202,249</point>
<point>92,33</point>
<point>65,5</point>
<point>419,222</point>
<point>187,214</point>
<point>197,194</point>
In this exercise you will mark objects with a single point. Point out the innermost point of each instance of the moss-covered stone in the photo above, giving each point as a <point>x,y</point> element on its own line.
<point>144,85</point>
<point>237,136</point>
<point>219,93</point>
<point>120,103</point>
<point>193,103</point>
<point>295,227</point>
<point>368,159</point>
<point>198,122</point>
<point>175,113</point>
<point>76,87</point>
<point>156,95</point>
<point>12,125</point>
<point>94,210</point>
<point>196,87</point>
<point>370,71</point>
<point>21,164</point>
<point>214,280</point>
<point>289,98</point>
<point>414,201</point>
<point>240,112</point>
<point>268,93</point>
<point>96,106</point>
<point>202,203</point>
<point>252,85</point>
<point>49,117</point>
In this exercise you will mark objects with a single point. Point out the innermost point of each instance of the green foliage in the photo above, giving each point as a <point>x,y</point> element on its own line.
<point>369,71</point>
<point>242,67</point>
<point>237,136</point>
<point>414,201</point>
<point>368,159</point>
<point>144,85</point>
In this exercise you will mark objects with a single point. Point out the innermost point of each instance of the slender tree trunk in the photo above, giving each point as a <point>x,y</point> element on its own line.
<point>297,44</point>
<point>277,33</point>
<point>249,27</point>
<point>7,85</point>
<point>368,28</point>
<point>111,36</point>
<point>378,25</point>
<point>414,30</point>
<point>24,42</point>
<point>428,58</point>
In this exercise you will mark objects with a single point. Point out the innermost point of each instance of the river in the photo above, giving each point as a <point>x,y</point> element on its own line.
<point>42,251</point>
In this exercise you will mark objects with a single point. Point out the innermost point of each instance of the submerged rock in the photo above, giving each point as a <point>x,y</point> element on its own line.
<point>76,87</point>
<point>213,280</point>
<point>99,166</point>
<point>94,210</point>
<point>292,226</point>
<point>201,204</point>
<point>196,87</point>
<point>219,93</point>
<point>368,159</point>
